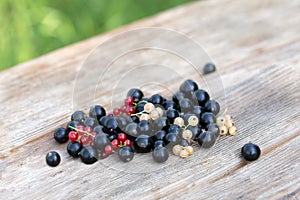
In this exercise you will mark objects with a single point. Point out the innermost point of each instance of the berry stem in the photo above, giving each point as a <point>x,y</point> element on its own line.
<point>87,133</point>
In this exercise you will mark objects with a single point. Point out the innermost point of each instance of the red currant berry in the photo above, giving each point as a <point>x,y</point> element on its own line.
<point>108,149</point>
<point>84,140</point>
<point>110,115</point>
<point>128,143</point>
<point>115,143</point>
<point>116,112</point>
<point>80,128</point>
<point>123,109</point>
<point>122,137</point>
<point>103,155</point>
<point>129,101</point>
<point>73,136</point>
<point>92,143</point>
<point>130,110</point>
<point>88,129</point>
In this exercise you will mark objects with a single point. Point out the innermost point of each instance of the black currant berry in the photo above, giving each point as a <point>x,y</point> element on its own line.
<point>135,119</point>
<point>174,129</point>
<point>251,152</point>
<point>212,106</point>
<point>161,123</point>
<point>90,122</point>
<point>186,105</point>
<point>159,135</point>
<point>159,143</point>
<point>188,86</point>
<point>111,123</point>
<point>126,154</point>
<point>198,110</point>
<point>157,99</point>
<point>74,149</point>
<point>206,139</point>
<point>214,128</point>
<point>209,68</point>
<point>131,129</point>
<point>88,155</point>
<point>140,107</point>
<point>201,96</point>
<point>183,143</point>
<point>169,104</point>
<point>78,116</point>
<point>172,138</point>
<point>136,94</point>
<point>97,112</point>
<point>160,154</point>
<point>177,97</point>
<point>172,114</point>
<point>143,144</point>
<point>98,129</point>
<point>207,118</point>
<point>60,135</point>
<point>100,141</point>
<point>144,128</point>
<point>103,120</point>
<point>52,158</point>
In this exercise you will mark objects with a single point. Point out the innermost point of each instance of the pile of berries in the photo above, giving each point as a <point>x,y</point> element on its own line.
<point>153,125</point>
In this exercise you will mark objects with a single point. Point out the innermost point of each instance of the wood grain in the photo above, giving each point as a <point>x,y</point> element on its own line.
<point>255,45</point>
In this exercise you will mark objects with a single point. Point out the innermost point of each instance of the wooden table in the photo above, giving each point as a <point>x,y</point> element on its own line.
<point>255,45</point>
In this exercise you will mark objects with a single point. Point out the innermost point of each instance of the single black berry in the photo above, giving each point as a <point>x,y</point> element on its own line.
<point>172,114</point>
<point>143,144</point>
<point>251,152</point>
<point>212,106</point>
<point>169,104</point>
<point>206,139</point>
<point>156,99</point>
<point>74,149</point>
<point>97,112</point>
<point>100,141</point>
<point>90,122</point>
<point>209,68</point>
<point>88,155</point>
<point>78,116</point>
<point>207,118</point>
<point>186,105</point>
<point>159,143</point>
<point>188,86</point>
<point>52,158</point>
<point>144,127</point>
<point>177,97</point>
<point>201,96</point>
<point>136,94</point>
<point>160,154</point>
<point>60,135</point>
<point>98,129</point>
<point>126,154</point>
<point>214,128</point>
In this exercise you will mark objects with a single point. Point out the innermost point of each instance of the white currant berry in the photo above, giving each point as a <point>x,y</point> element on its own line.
<point>232,130</point>
<point>144,117</point>
<point>148,107</point>
<point>223,130</point>
<point>179,121</point>
<point>187,134</point>
<point>193,120</point>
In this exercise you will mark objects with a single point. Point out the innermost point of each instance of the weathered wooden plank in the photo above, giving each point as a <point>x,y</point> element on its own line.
<point>255,44</point>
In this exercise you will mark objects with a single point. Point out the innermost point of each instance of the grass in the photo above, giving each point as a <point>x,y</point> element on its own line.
<point>30,28</point>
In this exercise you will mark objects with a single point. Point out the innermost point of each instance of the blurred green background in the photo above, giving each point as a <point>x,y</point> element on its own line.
<point>30,28</point>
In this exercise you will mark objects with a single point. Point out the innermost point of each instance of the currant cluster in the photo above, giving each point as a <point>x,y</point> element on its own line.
<point>143,125</point>
<point>226,125</point>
